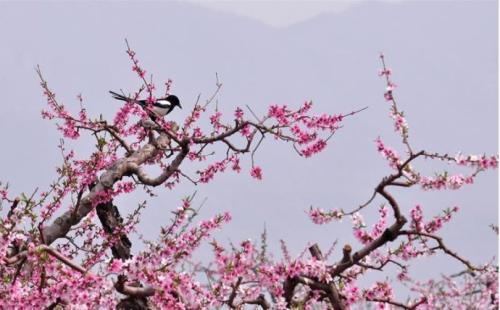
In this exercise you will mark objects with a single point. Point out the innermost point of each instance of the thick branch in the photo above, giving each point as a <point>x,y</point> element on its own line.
<point>173,167</point>
<point>289,288</point>
<point>260,301</point>
<point>111,222</point>
<point>133,291</point>
<point>388,235</point>
<point>236,286</point>
<point>60,227</point>
<point>330,289</point>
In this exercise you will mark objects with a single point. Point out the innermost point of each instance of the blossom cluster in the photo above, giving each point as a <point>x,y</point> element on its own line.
<point>320,216</point>
<point>295,126</point>
<point>390,154</point>
<point>460,291</point>
<point>444,181</point>
<point>305,129</point>
<point>364,236</point>
<point>433,225</point>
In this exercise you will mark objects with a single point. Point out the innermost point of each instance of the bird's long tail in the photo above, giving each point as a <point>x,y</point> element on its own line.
<point>118,96</point>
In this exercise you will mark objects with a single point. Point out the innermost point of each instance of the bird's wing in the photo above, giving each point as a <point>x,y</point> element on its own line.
<point>163,103</point>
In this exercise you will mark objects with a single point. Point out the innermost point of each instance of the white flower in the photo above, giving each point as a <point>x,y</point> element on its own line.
<point>357,220</point>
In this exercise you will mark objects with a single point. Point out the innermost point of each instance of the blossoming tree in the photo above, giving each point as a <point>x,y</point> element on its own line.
<point>68,247</point>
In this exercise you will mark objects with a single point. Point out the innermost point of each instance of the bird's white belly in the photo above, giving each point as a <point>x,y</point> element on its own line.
<point>160,111</point>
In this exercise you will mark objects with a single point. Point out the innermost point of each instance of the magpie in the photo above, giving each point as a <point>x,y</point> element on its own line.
<point>160,107</point>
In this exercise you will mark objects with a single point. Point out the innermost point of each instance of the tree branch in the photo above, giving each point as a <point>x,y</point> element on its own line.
<point>441,246</point>
<point>133,291</point>
<point>330,288</point>
<point>167,173</point>
<point>61,225</point>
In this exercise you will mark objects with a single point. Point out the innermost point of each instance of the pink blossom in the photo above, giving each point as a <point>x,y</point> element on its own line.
<point>209,173</point>
<point>236,163</point>
<point>238,113</point>
<point>47,115</point>
<point>193,117</point>
<point>357,220</point>
<point>320,216</point>
<point>390,86</point>
<point>400,124</point>
<point>3,193</point>
<point>121,118</point>
<point>115,266</point>
<point>279,113</point>
<point>445,181</point>
<point>124,187</point>
<point>256,172</point>
<point>317,147</point>
<point>323,121</point>
<point>417,218</point>
<point>386,72</point>
<point>390,154</point>
<point>246,132</point>
<point>305,107</point>
<point>215,120</point>
<point>352,294</point>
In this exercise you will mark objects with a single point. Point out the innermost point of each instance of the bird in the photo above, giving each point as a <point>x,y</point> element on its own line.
<point>161,107</point>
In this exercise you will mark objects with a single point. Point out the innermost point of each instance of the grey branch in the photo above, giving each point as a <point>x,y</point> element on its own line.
<point>123,167</point>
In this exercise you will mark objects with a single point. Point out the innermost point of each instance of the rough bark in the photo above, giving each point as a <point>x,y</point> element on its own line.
<point>123,167</point>
<point>111,220</point>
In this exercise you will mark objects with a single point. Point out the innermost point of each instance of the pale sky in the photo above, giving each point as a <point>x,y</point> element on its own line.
<point>444,56</point>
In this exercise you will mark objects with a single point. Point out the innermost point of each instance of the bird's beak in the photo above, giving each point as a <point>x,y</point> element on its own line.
<point>180,106</point>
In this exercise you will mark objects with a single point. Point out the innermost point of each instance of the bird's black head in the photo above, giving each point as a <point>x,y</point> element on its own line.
<point>174,101</point>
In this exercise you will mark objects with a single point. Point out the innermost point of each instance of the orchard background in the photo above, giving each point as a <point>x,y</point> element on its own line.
<point>444,61</point>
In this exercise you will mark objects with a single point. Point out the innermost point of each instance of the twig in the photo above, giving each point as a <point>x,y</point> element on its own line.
<point>441,246</point>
